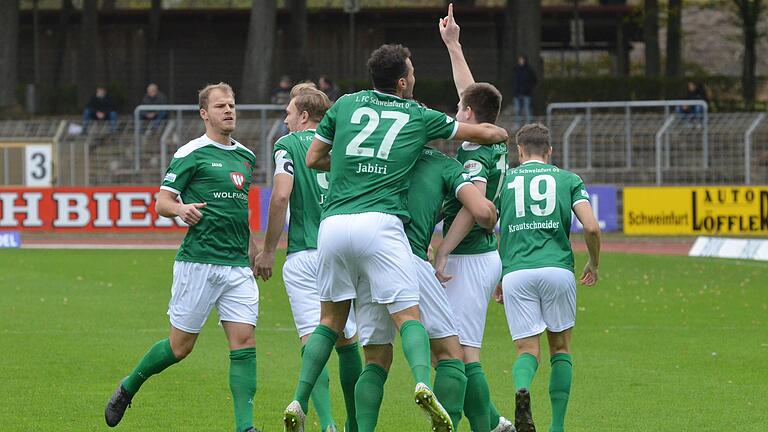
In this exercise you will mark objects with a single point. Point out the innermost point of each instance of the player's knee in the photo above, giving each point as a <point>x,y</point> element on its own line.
<point>334,323</point>
<point>528,349</point>
<point>380,355</point>
<point>559,346</point>
<point>182,350</point>
<point>446,348</point>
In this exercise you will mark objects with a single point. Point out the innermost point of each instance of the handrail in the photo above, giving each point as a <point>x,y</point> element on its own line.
<point>748,147</point>
<point>567,141</point>
<point>622,104</point>
<point>164,146</point>
<point>659,139</point>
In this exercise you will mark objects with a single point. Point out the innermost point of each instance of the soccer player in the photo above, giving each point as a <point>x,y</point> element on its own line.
<point>539,287</point>
<point>304,189</point>
<point>435,177</point>
<point>377,136</point>
<point>474,262</point>
<point>212,175</point>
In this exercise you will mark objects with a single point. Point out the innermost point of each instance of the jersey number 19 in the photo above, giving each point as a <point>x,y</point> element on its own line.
<point>548,196</point>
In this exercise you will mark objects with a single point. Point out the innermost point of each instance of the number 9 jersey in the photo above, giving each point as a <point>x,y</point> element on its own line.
<point>536,209</point>
<point>377,139</point>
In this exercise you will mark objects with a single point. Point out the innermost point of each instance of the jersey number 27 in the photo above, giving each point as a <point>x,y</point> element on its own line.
<point>354,149</point>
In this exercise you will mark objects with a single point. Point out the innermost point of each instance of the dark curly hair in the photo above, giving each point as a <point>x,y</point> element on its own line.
<point>386,65</point>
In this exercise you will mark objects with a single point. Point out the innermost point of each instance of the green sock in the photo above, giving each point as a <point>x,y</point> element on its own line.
<point>450,385</point>
<point>242,383</point>
<point>321,398</point>
<point>494,416</point>
<point>560,388</point>
<point>477,398</point>
<point>350,368</point>
<point>316,352</point>
<point>416,349</point>
<point>157,359</point>
<point>369,392</point>
<point>523,370</point>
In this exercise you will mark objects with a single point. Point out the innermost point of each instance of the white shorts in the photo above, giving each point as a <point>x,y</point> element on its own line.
<point>474,279</point>
<point>367,257</point>
<point>300,277</point>
<point>198,287</point>
<point>539,299</point>
<point>436,313</point>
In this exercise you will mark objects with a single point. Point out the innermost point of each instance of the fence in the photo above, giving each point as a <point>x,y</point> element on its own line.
<point>646,147</point>
<point>647,142</point>
<point>137,152</point>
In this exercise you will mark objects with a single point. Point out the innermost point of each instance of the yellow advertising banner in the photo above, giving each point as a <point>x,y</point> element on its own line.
<point>738,210</point>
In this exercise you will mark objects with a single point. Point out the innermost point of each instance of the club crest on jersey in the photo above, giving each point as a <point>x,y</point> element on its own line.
<point>238,179</point>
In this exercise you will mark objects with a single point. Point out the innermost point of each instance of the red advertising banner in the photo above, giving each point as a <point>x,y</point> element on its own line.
<point>97,209</point>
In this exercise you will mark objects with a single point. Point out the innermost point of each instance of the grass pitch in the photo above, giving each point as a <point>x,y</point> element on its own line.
<point>662,344</point>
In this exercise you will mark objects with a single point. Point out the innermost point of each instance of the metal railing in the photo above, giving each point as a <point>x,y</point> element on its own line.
<point>652,149</point>
<point>178,110</point>
<point>748,147</point>
<point>590,107</point>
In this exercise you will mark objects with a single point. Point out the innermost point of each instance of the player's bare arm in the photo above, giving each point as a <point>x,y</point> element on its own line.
<point>449,31</point>
<point>253,251</point>
<point>476,209</point>
<point>583,211</point>
<point>278,205</point>
<point>168,206</point>
<point>483,133</point>
<point>319,156</point>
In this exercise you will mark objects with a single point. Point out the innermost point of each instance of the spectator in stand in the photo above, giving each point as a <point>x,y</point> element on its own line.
<point>693,113</point>
<point>328,87</point>
<point>100,107</point>
<point>524,81</point>
<point>154,96</point>
<point>282,94</point>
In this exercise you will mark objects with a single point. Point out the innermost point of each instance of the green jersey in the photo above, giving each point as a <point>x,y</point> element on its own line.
<point>434,177</point>
<point>536,204</point>
<point>376,139</point>
<point>488,165</point>
<point>204,171</point>
<point>309,188</point>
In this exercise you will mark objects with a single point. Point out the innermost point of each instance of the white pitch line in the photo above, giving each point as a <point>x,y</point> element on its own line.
<point>98,246</point>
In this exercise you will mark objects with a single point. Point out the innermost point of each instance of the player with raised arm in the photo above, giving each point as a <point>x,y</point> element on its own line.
<point>212,175</point>
<point>304,189</point>
<point>539,286</point>
<point>435,177</point>
<point>473,260</point>
<point>377,136</point>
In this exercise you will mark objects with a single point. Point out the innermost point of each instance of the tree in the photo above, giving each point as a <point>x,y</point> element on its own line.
<point>529,34</point>
<point>749,12</point>
<point>651,37</point>
<point>298,63</point>
<point>9,41</point>
<point>152,40</point>
<point>87,53</point>
<point>62,34</point>
<point>507,42</point>
<point>674,46</point>
<point>258,52</point>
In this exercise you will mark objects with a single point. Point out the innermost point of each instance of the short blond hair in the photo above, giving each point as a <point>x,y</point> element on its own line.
<point>205,92</point>
<point>300,87</point>
<point>313,101</point>
<point>533,138</point>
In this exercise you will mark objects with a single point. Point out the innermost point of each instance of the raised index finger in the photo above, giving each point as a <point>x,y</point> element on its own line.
<point>450,11</point>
